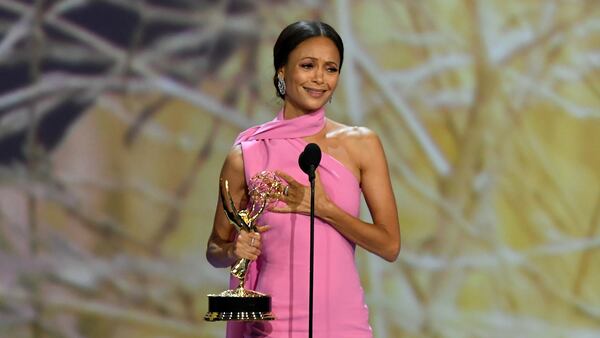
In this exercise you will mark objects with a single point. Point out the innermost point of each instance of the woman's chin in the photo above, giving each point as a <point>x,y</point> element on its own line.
<point>309,105</point>
<point>312,108</point>
<point>314,104</point>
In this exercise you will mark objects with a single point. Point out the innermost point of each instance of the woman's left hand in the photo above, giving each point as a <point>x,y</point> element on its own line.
<point>297,198</point>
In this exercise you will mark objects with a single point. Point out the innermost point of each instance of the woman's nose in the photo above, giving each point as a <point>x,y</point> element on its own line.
<point>318,76</point>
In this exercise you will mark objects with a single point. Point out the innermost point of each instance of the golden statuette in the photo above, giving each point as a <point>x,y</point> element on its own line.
<point>264,189</point>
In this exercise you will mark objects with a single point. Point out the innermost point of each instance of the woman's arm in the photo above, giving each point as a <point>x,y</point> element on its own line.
<point>382,237</point>
<point>225,246</point>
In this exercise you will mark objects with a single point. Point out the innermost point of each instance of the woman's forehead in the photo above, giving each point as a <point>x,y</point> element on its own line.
<point>319,47</point>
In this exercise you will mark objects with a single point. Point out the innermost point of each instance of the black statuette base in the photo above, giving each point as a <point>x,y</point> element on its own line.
<point>238,316</point>
<point>239,305</point>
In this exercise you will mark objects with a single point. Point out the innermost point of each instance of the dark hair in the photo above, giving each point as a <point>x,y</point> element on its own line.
<point>294,34</point>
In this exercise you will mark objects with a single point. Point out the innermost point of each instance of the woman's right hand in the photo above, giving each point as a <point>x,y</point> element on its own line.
<point>248,244</point>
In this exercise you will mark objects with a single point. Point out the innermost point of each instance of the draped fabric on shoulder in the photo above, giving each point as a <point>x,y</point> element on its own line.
<point>280,128</point>
<point>282,269</point>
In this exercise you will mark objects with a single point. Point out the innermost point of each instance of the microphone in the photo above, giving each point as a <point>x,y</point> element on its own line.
<point>309,160</point>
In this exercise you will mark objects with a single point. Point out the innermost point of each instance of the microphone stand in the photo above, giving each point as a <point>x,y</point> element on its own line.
<point>309,161</point>
<point>311,177</point>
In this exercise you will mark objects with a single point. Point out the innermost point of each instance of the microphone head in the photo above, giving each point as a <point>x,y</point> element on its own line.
<point>310,158</point>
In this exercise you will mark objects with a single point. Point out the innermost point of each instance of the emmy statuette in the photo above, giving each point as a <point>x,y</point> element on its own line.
<point>241,304</point>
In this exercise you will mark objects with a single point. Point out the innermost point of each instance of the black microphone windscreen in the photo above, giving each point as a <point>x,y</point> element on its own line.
<point>310,157</point>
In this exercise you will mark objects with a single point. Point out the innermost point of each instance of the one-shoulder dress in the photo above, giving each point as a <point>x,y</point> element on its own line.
<point>282,270</point>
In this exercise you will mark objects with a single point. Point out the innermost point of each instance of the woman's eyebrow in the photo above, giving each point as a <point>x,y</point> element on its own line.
<point>316,59</point>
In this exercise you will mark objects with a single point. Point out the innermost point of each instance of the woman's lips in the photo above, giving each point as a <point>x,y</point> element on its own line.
<point>317,93</point>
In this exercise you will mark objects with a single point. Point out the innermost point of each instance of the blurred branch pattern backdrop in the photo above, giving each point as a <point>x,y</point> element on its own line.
<point>116,115</point>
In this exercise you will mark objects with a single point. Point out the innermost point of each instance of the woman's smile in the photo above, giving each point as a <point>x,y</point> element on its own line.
<point>316,93</point>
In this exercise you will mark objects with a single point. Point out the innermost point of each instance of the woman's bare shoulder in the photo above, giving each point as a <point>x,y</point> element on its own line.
<point>234,161</point>
<point>361,143</point>
<point>350,134</point>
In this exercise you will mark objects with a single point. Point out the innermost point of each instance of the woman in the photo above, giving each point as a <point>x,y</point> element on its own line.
<point>308,58</point>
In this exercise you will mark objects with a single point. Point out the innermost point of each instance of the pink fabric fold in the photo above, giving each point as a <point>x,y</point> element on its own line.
<point>280,128</point>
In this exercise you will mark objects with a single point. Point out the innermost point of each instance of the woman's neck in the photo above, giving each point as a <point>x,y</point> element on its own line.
<point>291,112</point>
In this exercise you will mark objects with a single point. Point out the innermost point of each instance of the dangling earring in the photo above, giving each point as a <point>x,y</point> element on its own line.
<point>331,97</point>
<point>281,86</point>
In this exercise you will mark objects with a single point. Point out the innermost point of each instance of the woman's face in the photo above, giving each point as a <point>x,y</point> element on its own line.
<point>311,75</point>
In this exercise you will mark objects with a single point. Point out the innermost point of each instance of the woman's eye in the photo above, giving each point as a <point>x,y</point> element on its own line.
<point>306,66</point>
<point>332,69</point>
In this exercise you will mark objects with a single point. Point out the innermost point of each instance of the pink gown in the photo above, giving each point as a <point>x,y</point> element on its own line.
<point>282,270</point>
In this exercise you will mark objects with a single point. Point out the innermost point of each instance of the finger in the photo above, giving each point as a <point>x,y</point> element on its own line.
<point>289,179</point>
<point>263,228</point>
<point>285,195</point>
<point>252,239</point>
<point>242,234</point>
<point>286,191</point>
<point>244,240</point>
<point>317,178</point>
<point>253,253</point>
<point>256,246</point>
<point>250,254</point>
<point>283,209</point>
